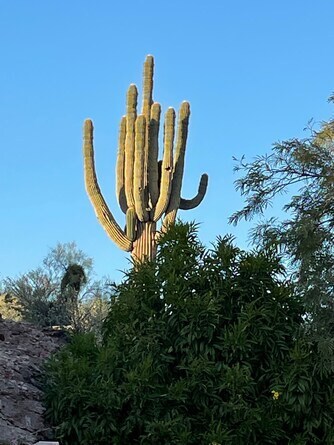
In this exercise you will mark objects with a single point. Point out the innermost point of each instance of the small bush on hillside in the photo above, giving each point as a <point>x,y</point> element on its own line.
<point>10,307</point>
<point>200,347</point>
<point>60,292</point>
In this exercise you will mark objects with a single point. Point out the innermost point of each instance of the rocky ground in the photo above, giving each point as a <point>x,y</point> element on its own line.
<point>23,348</point>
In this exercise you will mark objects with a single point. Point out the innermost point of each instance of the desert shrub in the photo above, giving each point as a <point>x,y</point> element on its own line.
<point>10,307</point>
<point>200,347</point>
<point>60,292</point>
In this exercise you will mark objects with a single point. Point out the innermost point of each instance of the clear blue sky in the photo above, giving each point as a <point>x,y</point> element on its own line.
<point>254,72</point>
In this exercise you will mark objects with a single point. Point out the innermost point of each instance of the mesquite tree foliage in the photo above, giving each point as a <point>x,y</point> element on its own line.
<point>305,168</point>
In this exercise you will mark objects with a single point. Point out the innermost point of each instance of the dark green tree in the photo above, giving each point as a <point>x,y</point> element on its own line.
<point>200,347</point>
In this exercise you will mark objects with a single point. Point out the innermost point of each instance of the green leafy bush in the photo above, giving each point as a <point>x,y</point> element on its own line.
<point>200,347</point>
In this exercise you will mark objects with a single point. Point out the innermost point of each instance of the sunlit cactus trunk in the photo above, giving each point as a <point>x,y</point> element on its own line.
<point>147,189</point>
<point>144,247</point>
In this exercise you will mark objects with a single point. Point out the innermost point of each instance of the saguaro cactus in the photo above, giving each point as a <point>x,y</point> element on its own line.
<point>147,189</point>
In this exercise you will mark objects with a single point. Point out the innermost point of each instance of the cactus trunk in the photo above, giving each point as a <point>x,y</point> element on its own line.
<point>144,248</point>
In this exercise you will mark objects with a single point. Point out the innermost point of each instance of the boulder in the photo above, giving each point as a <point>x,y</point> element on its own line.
<point>23,349</point>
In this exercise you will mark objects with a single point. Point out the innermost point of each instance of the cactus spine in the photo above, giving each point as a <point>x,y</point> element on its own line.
<point>147,189</point>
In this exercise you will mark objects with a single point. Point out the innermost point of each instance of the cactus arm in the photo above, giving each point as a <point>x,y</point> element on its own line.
<point>131,223</point>
<point>146,111</point>
<point>147,87</point>
<point>120,190</point>
<point>93,190</point>
<point>182,133</point>
<point>167,166</point>
<point>138,181</point>
<point>131,114</point>
<point>188,204</point>
<point>153,147</point>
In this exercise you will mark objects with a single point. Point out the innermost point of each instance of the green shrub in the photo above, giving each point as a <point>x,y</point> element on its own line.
<point>59,293</point>
<point>200,347</point>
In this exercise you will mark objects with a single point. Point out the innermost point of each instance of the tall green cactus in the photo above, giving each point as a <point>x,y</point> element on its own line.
<point>147,189</point>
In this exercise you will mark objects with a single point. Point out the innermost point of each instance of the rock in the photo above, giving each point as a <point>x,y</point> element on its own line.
<point>47,443</point>
<point>23,349</point>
